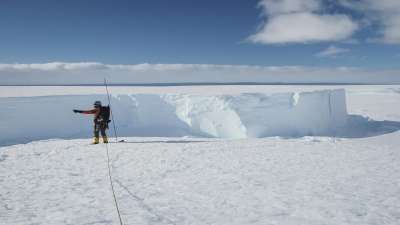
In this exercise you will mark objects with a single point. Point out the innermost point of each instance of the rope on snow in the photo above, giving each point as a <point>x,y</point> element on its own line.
<point>112,185</point>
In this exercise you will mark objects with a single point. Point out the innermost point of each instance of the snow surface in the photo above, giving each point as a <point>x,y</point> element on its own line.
<point>185,181</point>
<point>349,177</point>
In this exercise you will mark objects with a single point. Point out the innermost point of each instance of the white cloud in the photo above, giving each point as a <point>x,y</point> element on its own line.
<point>59,73</point>
<point>144,67</point>
<point>305,27</point>
<point>301,21</point>
<point>332,51</point>
<point>53,66</point>
<point>391,33</point>
<point>385,13</point>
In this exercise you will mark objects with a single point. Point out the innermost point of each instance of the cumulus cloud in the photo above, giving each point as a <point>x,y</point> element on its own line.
<point>389,14</point>
<point>384,13</point>
<point>59,73</point>
<point>301,21</point>
<point>305,27</point>
<point>332,51</point>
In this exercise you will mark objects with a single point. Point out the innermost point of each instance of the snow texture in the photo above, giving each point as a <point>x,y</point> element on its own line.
<point>317,113</point>
<point>184,181</point>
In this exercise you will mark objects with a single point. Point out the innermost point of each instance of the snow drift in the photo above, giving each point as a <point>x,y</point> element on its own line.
<point>254,115</point>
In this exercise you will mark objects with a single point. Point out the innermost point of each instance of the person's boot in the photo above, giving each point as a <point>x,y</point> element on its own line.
<point>105,139</point>
<point>95,140</point>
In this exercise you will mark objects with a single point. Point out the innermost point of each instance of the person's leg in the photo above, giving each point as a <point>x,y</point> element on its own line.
<point>96,133</point>
<point>103,128</point>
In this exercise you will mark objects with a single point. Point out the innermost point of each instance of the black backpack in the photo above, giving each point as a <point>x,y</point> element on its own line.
<point>105,113</point>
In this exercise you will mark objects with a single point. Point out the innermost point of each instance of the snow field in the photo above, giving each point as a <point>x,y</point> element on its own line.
<point>204,181</point>
<point>321,113</point>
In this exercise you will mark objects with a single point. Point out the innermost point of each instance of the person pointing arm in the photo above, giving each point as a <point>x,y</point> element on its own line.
<point>100,123</point>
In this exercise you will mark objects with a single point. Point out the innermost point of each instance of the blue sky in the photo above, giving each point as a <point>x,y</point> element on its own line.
<point>235,32</point>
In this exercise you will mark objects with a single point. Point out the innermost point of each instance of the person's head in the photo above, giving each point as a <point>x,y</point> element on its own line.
<point>97,104</point>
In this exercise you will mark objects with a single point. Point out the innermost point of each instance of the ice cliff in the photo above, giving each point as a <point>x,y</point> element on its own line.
<point>318,113</point>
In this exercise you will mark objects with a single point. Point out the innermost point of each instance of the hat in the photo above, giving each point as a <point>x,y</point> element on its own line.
<point>97,104</point>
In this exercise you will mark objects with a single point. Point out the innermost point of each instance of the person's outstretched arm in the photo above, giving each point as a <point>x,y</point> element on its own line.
<point>92,111</point>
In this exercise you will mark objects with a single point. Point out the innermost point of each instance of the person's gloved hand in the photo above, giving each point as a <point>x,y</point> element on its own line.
<point>77,111</point>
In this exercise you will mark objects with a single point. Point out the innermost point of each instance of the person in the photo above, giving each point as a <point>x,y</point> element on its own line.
<point>101,120</point>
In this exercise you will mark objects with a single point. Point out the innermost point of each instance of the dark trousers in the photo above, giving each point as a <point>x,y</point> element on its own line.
<point>100,127</point>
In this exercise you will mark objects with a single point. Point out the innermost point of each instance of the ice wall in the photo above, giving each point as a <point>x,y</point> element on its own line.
<point>235,116</point>
<point>260,115</point>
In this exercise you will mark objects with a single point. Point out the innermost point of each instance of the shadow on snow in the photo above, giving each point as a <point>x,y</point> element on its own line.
<point>363,127</point>
<point>356,127</point>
